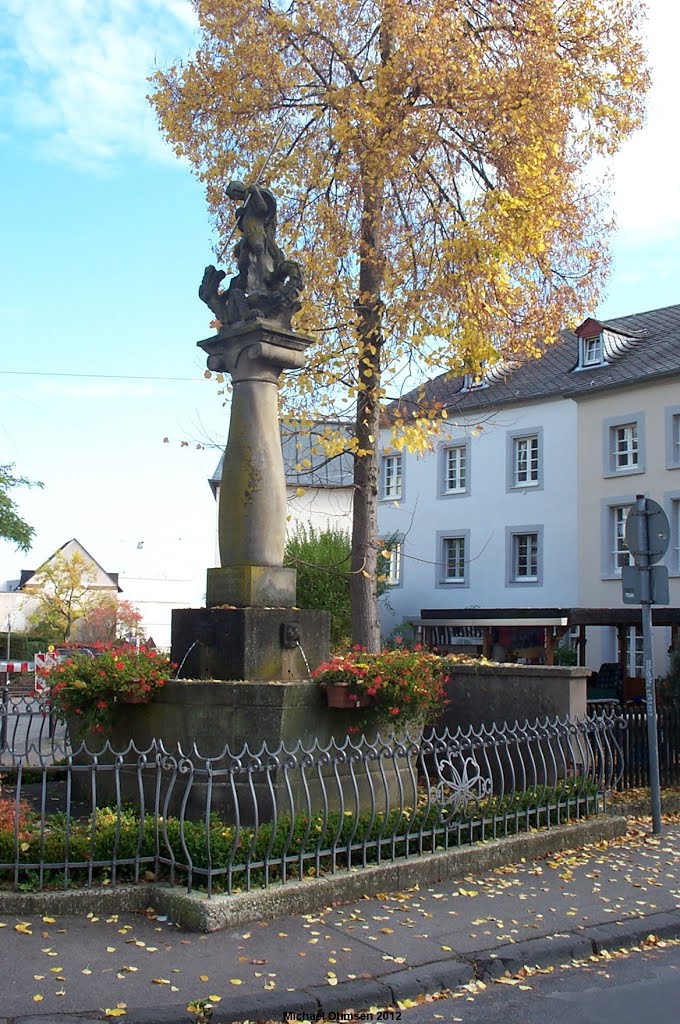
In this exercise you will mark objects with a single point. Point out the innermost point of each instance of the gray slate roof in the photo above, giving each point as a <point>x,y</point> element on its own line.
<point>296,447</point>
<point>654,353</point>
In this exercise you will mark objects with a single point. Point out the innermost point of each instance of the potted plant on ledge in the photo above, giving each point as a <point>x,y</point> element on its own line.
<point>86,688</point>
<point>400,688</point>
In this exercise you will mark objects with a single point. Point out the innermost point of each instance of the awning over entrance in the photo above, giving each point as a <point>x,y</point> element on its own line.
<point>662,615</point>
<point>449,627</point>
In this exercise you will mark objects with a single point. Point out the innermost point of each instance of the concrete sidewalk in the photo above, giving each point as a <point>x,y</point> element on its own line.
<point>369,953</point>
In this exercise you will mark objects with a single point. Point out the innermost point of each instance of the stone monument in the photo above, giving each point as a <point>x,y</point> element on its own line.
<point>250,628</point>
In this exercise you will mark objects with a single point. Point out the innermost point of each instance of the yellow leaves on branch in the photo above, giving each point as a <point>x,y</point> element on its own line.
<point>433,149</point>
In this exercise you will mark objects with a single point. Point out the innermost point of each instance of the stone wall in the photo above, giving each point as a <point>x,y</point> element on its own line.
<point>505,693</point>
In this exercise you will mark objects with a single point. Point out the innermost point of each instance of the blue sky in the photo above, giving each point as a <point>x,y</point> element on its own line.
<point>105,236</point>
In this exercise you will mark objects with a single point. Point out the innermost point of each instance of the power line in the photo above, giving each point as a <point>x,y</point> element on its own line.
<point>94,376</point>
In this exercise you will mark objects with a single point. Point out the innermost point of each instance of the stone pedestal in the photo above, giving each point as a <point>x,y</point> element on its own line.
<point>251,586</point>
<point>249,643</point>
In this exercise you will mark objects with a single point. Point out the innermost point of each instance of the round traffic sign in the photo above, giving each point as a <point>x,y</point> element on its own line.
<point>652,542</point>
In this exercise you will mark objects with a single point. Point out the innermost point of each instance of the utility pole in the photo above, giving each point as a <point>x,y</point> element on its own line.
<point>647,537</point>
<point>643,564</point>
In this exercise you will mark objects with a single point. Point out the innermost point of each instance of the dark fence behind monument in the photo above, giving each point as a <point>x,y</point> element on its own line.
<point>635,748</point>
<point>257,817</point>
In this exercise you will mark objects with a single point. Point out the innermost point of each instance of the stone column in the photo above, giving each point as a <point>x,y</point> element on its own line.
<point>252,512</point>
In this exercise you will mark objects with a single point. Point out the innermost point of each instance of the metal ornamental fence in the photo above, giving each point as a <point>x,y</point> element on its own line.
<point>261,816</point>
<point>635,747</point>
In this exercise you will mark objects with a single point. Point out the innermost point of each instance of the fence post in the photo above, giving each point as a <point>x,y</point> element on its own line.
<point>3,718</point>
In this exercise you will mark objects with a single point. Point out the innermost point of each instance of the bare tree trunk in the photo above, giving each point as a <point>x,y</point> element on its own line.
<point>363,581</point>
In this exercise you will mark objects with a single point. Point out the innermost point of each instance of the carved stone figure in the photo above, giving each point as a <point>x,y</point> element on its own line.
<point>267,285</point>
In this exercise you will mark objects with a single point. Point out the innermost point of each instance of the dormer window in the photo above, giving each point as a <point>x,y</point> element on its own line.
<point>489,373</point>
<point>472,382</point>
<point>591,351</point>
<point>600,344</point>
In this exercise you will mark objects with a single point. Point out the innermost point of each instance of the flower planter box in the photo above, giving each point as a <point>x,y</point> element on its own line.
<point>338,695</point>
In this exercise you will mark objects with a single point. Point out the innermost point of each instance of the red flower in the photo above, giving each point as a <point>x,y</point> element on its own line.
<point>394,711</point>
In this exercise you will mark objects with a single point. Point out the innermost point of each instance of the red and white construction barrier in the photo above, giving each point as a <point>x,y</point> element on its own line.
<point>46,660</point>
<point>17,666</point>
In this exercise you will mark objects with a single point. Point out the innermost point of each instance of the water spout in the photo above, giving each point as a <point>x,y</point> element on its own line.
<point>304,658</point>
<point>181,664</point>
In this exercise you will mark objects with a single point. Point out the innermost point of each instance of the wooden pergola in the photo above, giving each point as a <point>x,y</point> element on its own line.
<point>436,623</point>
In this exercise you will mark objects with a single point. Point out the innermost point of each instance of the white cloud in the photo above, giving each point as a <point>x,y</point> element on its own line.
<point>78,74</point>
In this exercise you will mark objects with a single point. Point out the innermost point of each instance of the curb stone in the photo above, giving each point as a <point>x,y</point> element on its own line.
<point>56,1018</point>
<point>387,989</point>
<point>355,995</point>
<point>444,974</point>
<point>540,952</point>
<point>625,933</point>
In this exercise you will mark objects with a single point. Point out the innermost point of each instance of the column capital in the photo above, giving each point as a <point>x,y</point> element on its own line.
<point>256,350</point>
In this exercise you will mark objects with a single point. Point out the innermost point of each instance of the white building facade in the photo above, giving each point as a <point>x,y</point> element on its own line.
<point>522,503</point>
<point>488,518</point>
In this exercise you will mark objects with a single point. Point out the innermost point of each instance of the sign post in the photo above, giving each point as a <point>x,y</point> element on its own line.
<point>647,537</point>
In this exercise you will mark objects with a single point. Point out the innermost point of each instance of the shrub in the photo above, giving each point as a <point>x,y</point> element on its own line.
<point>322,561</point>
<point>669,686</point>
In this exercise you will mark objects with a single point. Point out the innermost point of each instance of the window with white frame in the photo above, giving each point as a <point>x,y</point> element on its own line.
<point>525,461</point>
<point>393,562</point>
<point>620,555</point>
<point>453,559</point>
<point>624,445</point>
<point>591,351</point>
<point>673,437</point>
<point>455,469</point>
<point>635,658</point>
<point>674,553</point>
<point>391,476</point>
<point>525,555</point>
<point>625,449</point>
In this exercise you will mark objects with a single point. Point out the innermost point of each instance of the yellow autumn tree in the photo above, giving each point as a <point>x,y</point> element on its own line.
<point>430,161</point>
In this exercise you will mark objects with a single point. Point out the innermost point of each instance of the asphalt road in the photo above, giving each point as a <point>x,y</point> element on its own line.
<point>639,988</point>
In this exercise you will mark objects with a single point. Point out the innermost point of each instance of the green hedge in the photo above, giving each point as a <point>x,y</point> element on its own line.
<point>220,847</point>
